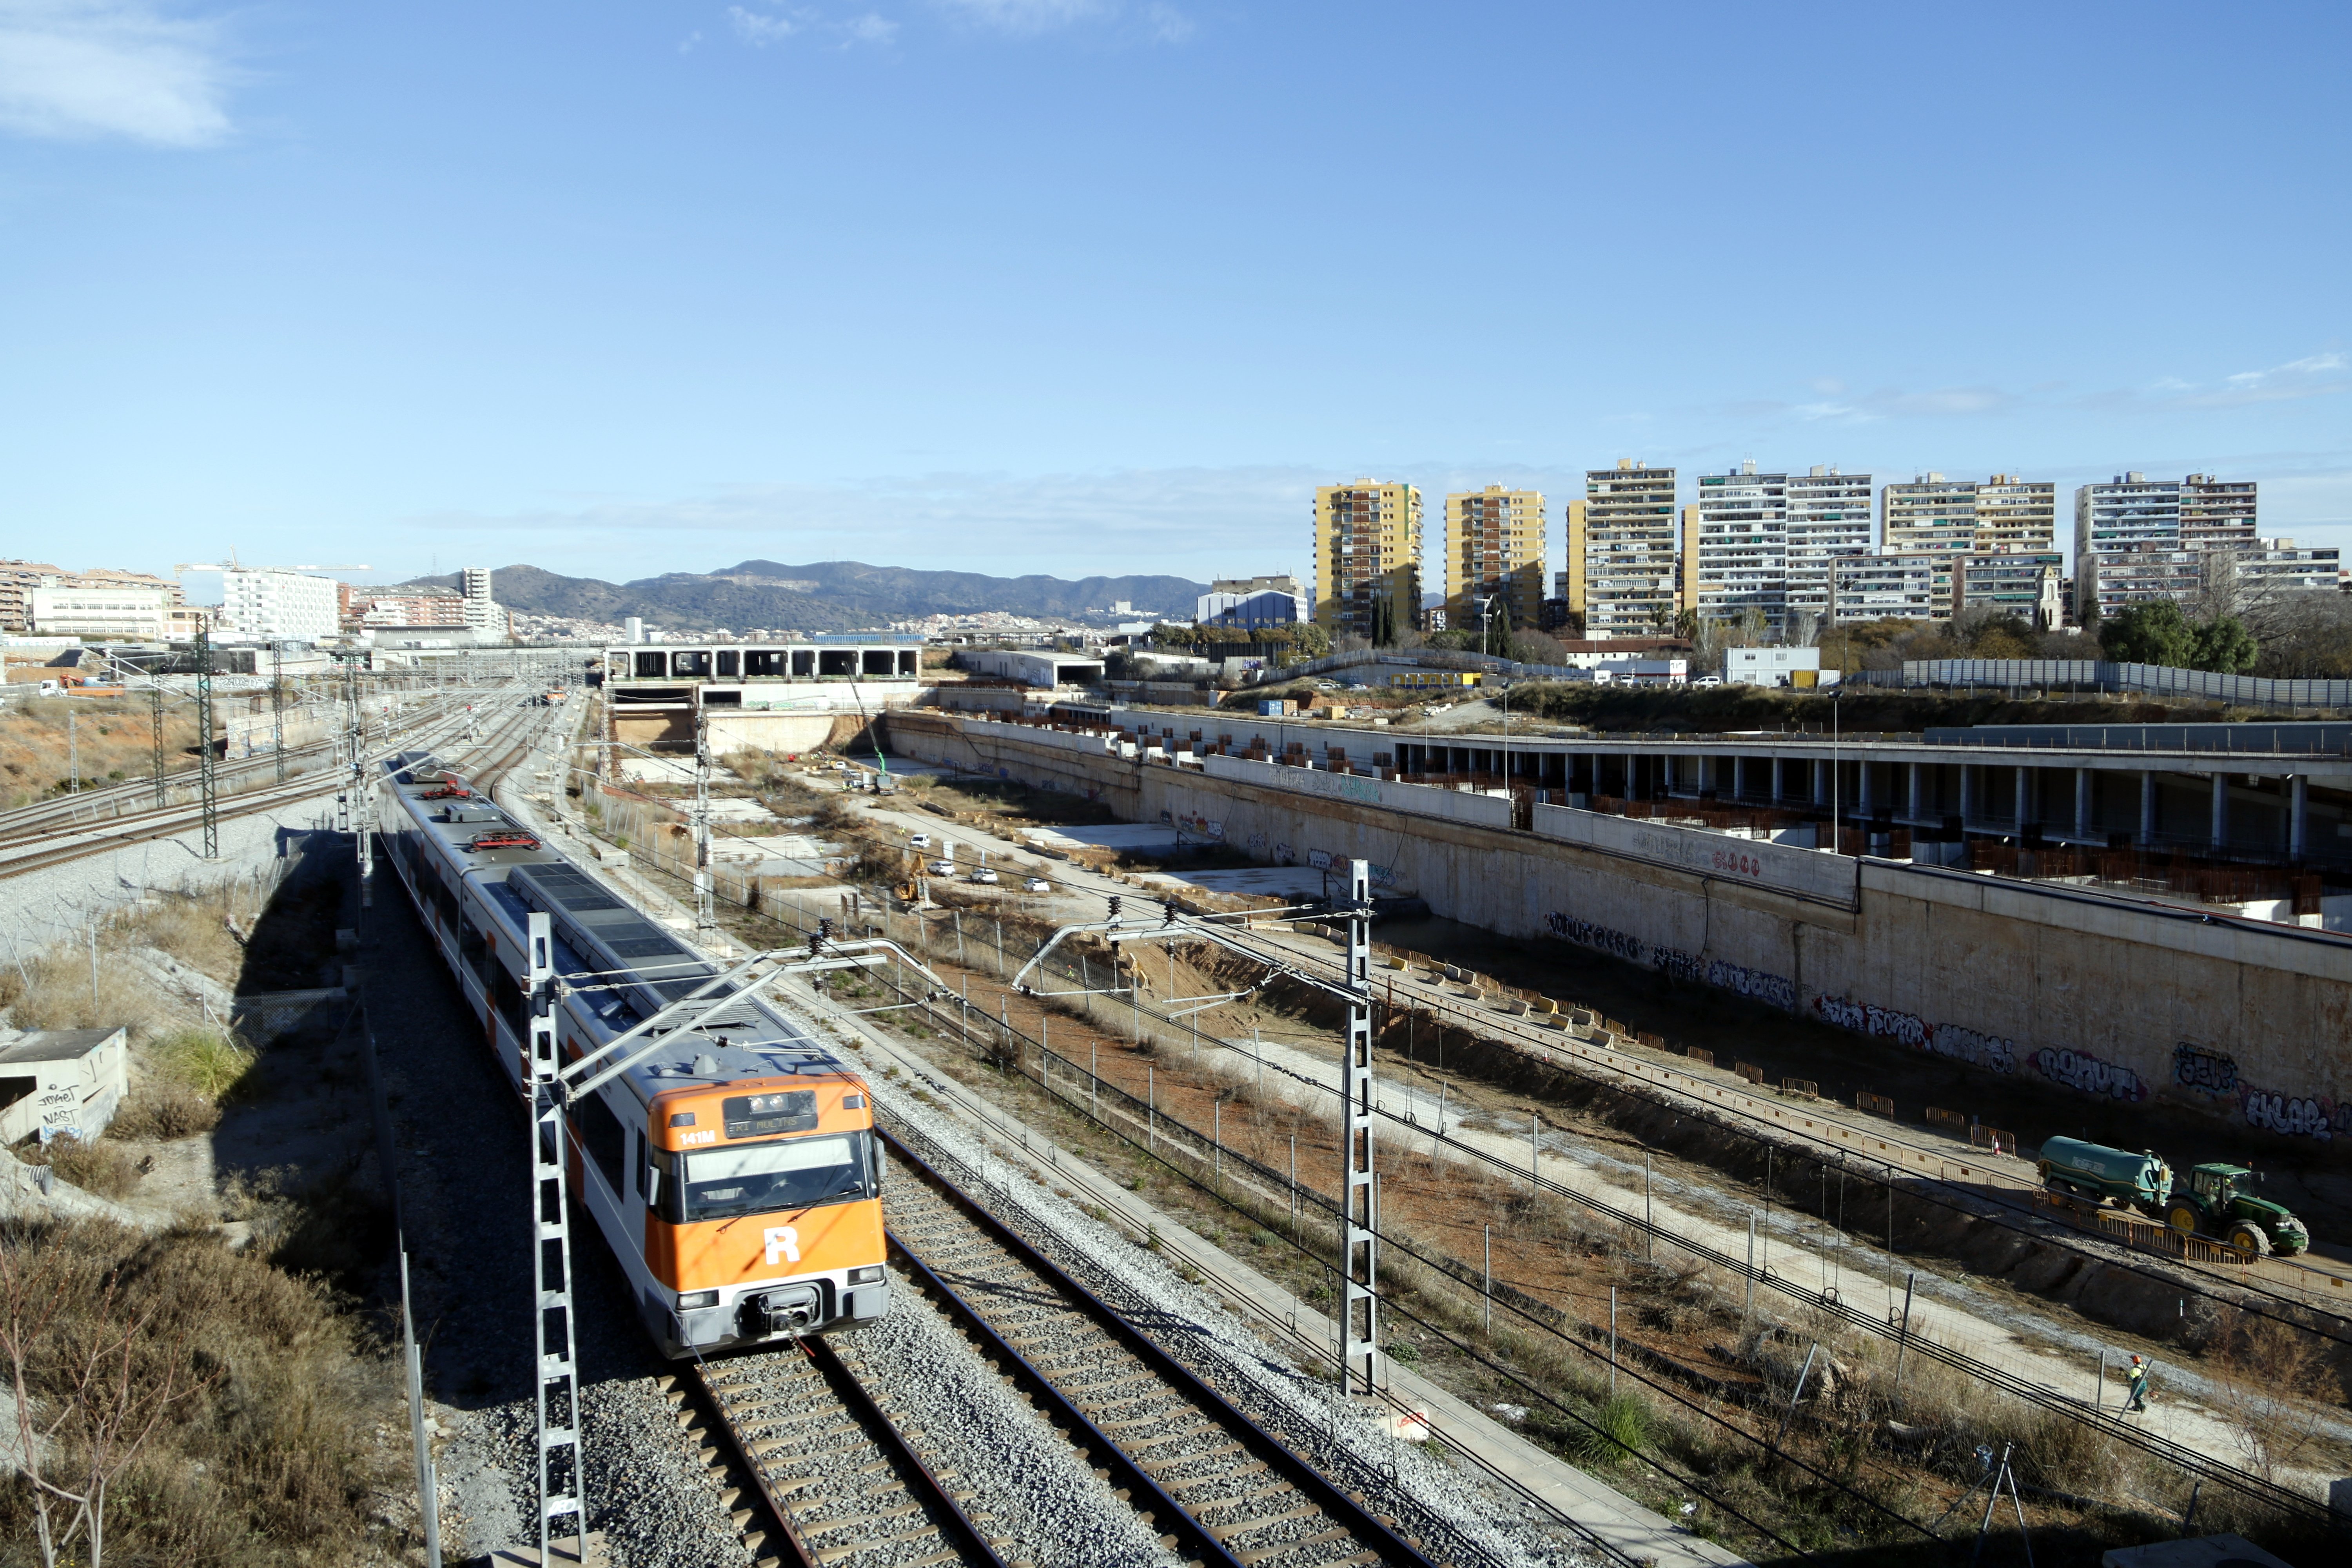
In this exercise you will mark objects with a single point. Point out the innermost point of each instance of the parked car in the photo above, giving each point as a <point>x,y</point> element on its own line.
<point>918,841</point>
<point>1036,885</point>
<point>1708,681</point>
<point>942,868</point>
<point>985,877</point>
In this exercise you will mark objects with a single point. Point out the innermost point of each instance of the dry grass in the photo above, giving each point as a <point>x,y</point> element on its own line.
<point>113,737</point>
<point>274,1460</point>
<point>98,1166</point>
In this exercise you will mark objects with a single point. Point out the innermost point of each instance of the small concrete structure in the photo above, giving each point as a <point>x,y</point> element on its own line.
<point>56,1081</point>
<point>1773,667</point>
<point>1033,669</point>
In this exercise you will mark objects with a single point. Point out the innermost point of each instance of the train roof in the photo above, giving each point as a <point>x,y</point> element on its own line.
<point>621,966</point>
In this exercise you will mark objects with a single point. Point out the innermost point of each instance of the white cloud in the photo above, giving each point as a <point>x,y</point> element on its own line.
<point>868,29</point>
<point>758,28</point>
<point>1889,403</point>
<point>1028,15</point>
<point>96,69</point>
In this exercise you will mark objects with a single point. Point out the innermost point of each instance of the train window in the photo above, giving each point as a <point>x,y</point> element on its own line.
<point>600,1133</point>
<point>658,1180</point>
<point>764,1178</point>
<point>729,663</point>
<point>507,996</point>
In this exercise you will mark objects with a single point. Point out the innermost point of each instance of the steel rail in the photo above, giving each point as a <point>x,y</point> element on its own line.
<point>173,820</point>
<point>1328,1494</point>
<point>969,1535</point>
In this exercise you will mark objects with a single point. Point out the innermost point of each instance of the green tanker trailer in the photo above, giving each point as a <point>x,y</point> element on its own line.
<point>2093,1171</point>
<point>2211,1202</point>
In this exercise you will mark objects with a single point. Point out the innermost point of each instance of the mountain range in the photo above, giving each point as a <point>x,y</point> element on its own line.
<point>826,596</point>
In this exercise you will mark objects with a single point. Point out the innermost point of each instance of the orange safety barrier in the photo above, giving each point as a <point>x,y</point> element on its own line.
<point>1749,1071</point>
<point>1994,1139</point>
<point>1803,1087</point>
<point>1951,1118</point>
<point>1704,1059</point>
<point>1877,1104</point>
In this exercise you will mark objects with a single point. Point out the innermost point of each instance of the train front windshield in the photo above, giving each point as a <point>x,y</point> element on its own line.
<point>791,1174</point>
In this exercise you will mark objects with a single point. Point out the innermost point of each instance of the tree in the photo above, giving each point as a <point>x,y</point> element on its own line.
<point>2223,644</point>
<point>1174,634</point>
<point>2155,632</point>
<point>1314,641</point>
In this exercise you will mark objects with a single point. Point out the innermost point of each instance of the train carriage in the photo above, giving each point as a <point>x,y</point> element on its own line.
<point>733,1170</point>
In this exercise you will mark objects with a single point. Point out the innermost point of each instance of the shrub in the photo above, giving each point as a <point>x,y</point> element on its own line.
<point>106,1168</point>
<point>210,1063</point>
<point>164,1109</point>
<point>1625,1431</point>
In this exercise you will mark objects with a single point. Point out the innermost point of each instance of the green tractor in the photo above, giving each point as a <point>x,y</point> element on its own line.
<point>2214,1204</point>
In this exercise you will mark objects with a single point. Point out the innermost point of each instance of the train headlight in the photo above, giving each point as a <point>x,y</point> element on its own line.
<point>869,1275</point>
<point>693,1298</point>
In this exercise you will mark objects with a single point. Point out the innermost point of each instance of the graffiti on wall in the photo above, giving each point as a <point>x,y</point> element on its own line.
<point>2295,1117</point>
<point>2087,1074</point>
<point>1773,990</point>
<point>1957,1041</point>
<point>1601,939</point>
<point>2206,1071</point>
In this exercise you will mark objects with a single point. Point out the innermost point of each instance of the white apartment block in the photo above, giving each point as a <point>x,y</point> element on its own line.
<point>1829,520</point>
<point>2274,566</point>
<point>1954,519</point>
<point>279,607</point>
<point>1736,548</point>
<point>1890,586</point>
<point>2137,539</point>
<point>1622,554</point>
<point>141,615</point>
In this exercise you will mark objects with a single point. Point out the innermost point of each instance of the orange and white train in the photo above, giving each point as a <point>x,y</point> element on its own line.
<point>734,1171</point>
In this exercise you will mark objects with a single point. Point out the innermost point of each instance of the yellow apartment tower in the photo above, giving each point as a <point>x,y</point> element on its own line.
<point>1624,567</point>
<point>1493,549</point>
<point>1368,559</point>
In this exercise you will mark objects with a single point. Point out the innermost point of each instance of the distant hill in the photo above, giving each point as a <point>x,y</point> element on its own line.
<point>829,596</point>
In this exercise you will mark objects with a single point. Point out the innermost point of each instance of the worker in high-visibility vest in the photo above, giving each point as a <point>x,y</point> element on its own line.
<point>2138,1400</point>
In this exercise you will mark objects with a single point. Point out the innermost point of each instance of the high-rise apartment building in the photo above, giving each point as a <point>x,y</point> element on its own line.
<point>1888,586</point>
<point>1736,548</point>
<point>1493,549</point>
<point>2216,514</point>
<point>2137,539</point>
<point>1622,559</point>
<point>282,606</point>
<point>1954,519</point>
<point>2016,516</point>
<point>2021,582</point>
<point>1829,520</point>
<point>1368,559</point>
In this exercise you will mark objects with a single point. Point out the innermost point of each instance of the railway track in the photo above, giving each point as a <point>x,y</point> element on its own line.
<point>820,1470</point>
<point>819,1474</point>
<point>140,827</point>
<point>1219,1487</point>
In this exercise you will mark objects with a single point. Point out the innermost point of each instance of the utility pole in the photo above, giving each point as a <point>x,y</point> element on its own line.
<point>277,705</point>
<point>1359,1223</point>
<point>207,777</point>
<point>73,754</point>
<point>706,920</point>
<point>156,728</point>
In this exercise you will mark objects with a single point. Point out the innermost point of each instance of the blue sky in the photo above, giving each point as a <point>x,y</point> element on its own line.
<point>1101,286</point>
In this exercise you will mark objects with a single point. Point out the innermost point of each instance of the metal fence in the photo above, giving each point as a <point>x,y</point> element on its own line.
<point>2097,675</point>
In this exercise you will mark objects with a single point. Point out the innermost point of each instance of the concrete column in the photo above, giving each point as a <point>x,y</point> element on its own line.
<point>1738,777</point>
<point>2083,803</point>
<point>2023,800</point>
<point>2147,808</point>
<point>1968,793</point>
<point>2220,810</point>
<point>1861,795</point>
<point>1706,774</point>
<point>1777,784</point>
<point>1912,804</point>
<point>1821,782</point>
<point>2298,815</point>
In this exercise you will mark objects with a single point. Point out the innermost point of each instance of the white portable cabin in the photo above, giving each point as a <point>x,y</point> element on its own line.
<point>56,1081</point>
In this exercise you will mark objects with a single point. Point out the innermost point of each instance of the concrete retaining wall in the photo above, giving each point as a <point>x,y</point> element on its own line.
<point>2122,999</point>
